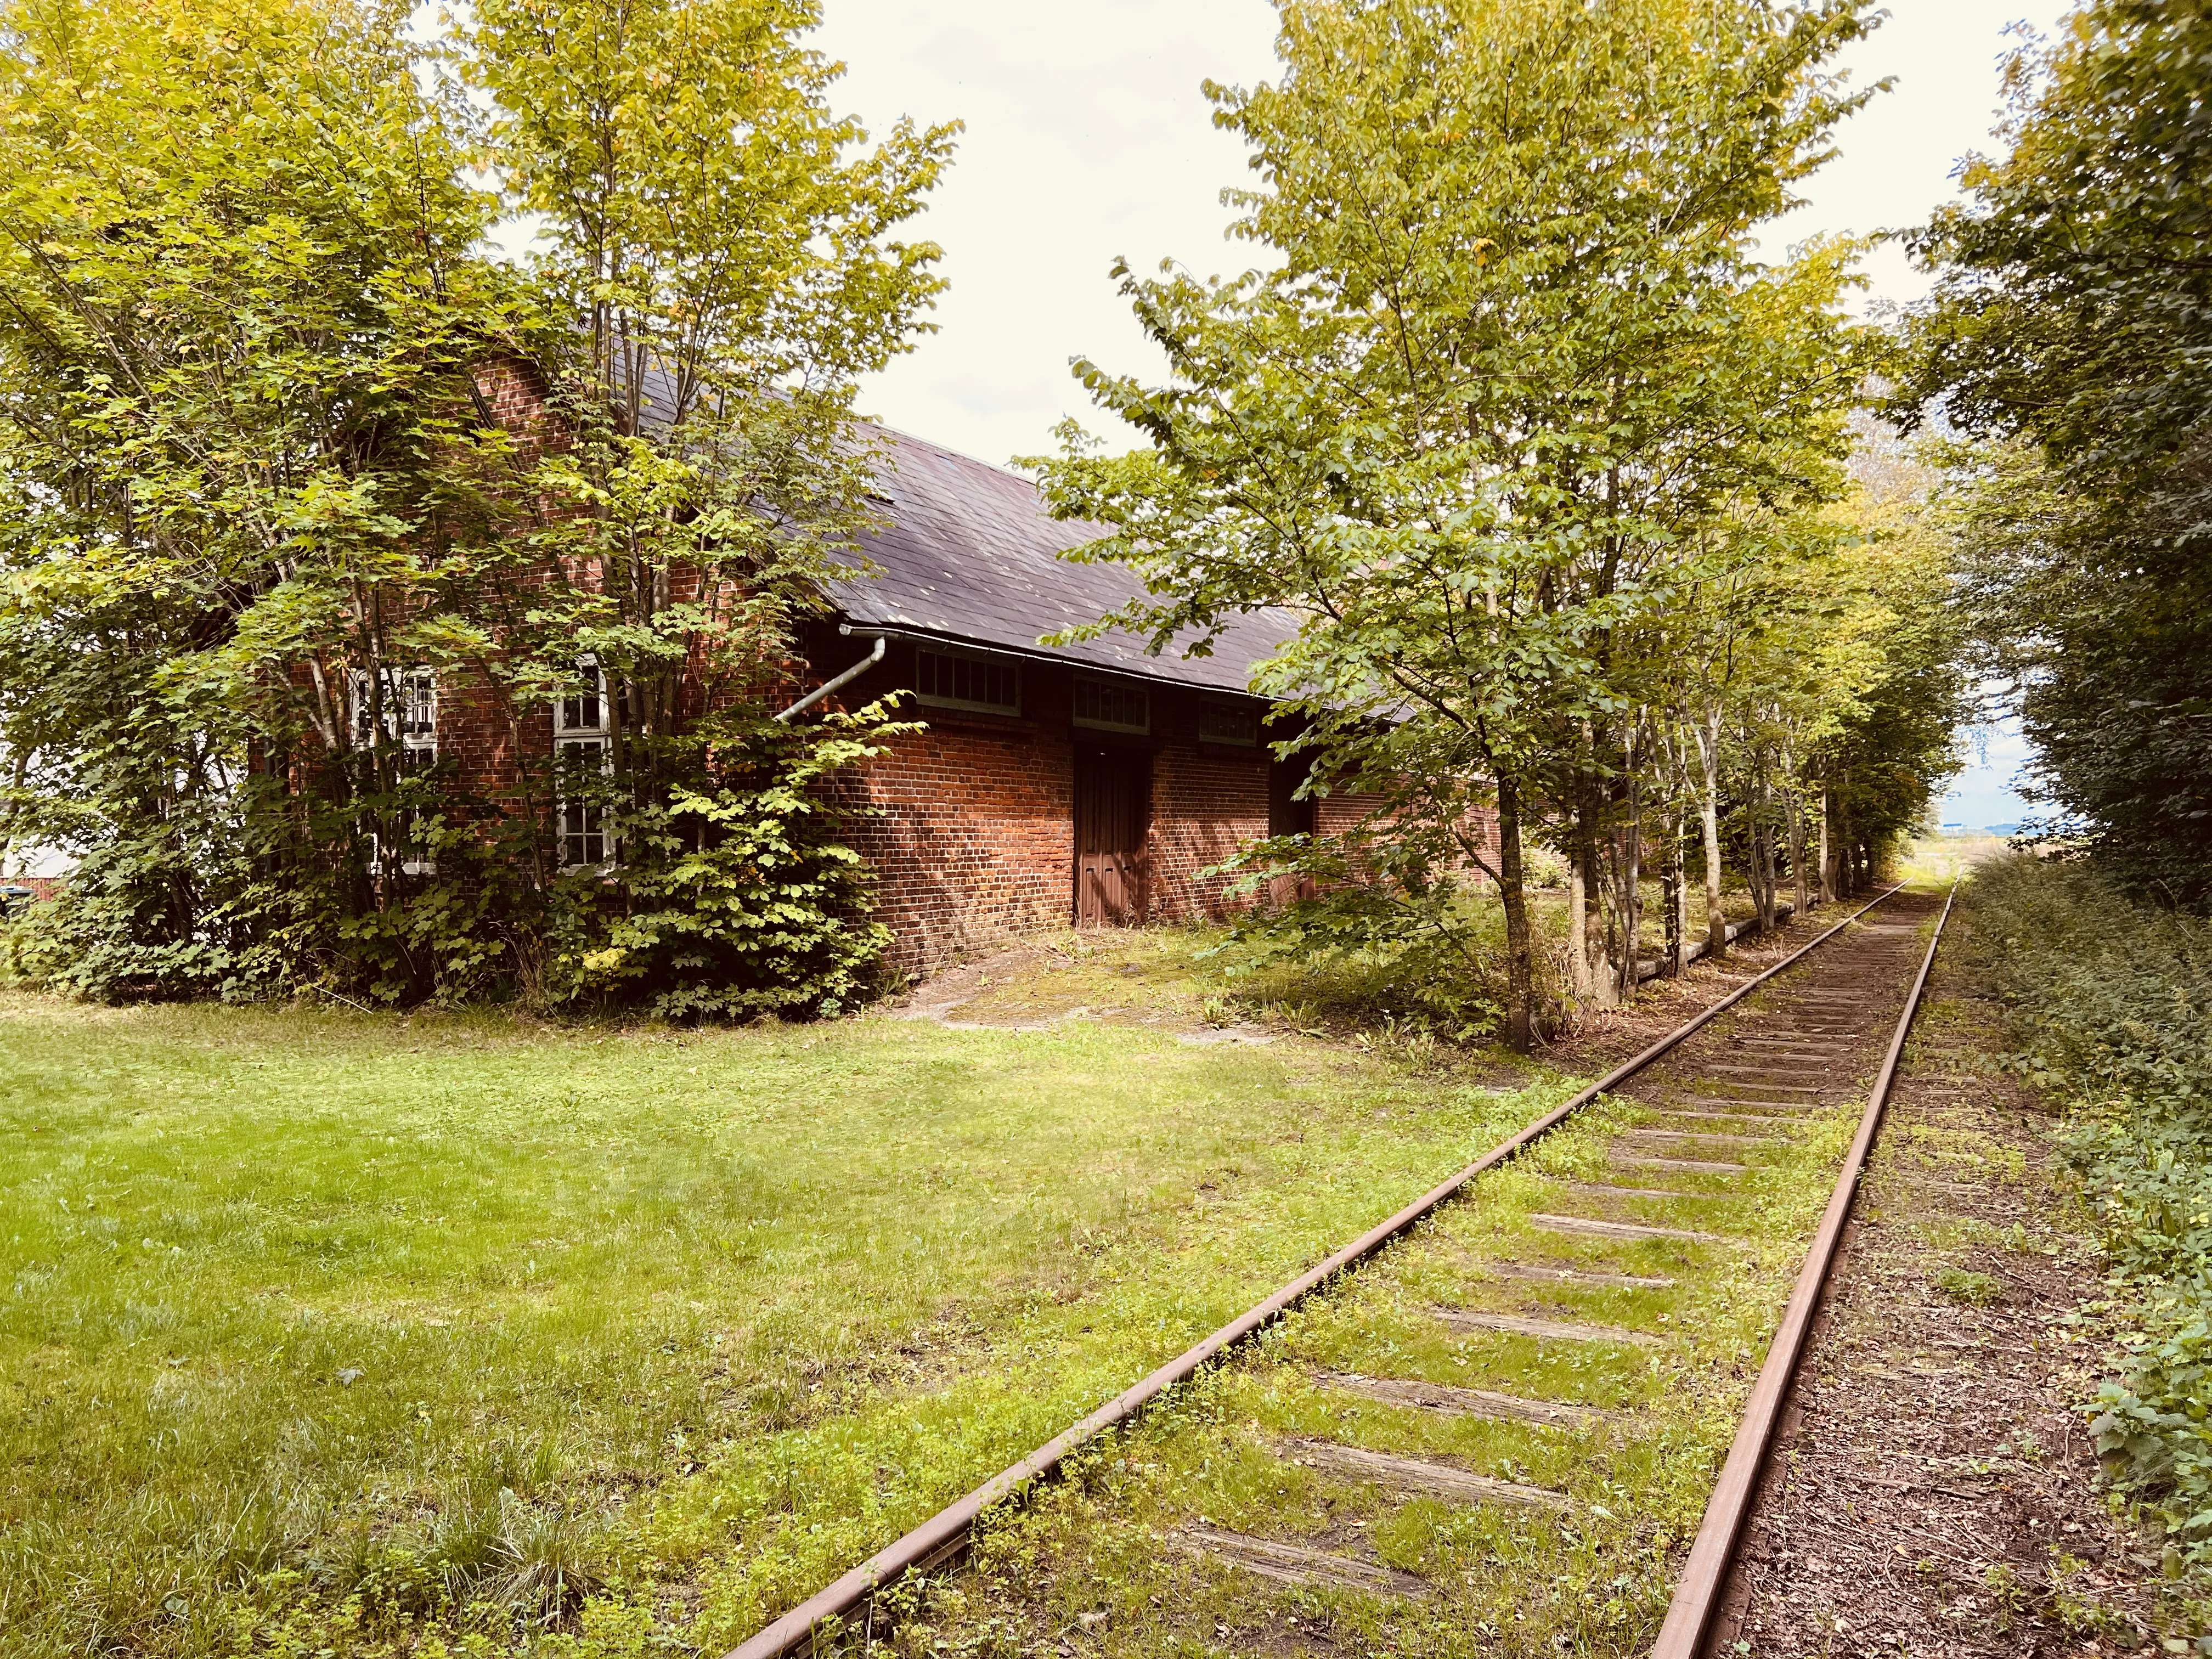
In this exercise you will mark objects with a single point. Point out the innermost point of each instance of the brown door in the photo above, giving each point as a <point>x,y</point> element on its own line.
<point>1286,814</point>
<point>1113,804</point>
<point>1289,816</point>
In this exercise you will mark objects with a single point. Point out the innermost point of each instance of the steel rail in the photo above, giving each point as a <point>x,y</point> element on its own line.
<point>939,1538</point>
<point>1705,1575</point>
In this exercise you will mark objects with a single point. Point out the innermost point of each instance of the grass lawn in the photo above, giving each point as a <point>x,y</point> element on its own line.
<point>346,1333</point>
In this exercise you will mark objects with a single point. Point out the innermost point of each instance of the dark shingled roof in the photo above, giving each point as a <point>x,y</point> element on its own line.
<point>969,555</point>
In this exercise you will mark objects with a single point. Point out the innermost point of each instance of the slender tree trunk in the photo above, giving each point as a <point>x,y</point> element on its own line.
<point>1678,914</point>
<point>1577,924</point>
<point>1597,969</point>
<point>1678,923</point>
<point>1631,904</point>
<point>1845,846</point>
<point>1520,951</point>
<point>1586,895</point>
<point>1850,845</point>
<point>1800,899</point>
<point>1762,843</point>
<point>1827,870</point>
<point>1709,812</point>
<point>1631,865</point>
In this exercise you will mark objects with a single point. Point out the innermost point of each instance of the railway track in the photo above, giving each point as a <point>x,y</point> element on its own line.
<point>1456,1443</point>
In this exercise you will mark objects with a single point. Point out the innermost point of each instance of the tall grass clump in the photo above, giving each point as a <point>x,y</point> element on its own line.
<point>2112,1002</point>
<point>1429,961</point>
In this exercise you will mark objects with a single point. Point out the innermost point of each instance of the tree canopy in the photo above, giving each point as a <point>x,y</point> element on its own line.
<point>1516,411</point>
<point>262,490</point>
<point>2071,320</point>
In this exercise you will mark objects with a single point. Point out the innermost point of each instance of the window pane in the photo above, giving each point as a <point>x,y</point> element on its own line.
<point>421,705</point>
<point>587,710</point>
<point>582,819</point>
<point>972,682</point>
<point>1218,723</point>
<point>1113,704</point>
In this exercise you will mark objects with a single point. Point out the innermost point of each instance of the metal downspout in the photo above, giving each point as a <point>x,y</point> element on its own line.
<point>825,689</point>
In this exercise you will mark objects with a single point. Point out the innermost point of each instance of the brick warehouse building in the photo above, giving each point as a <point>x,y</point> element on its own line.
<point>1090,783</point>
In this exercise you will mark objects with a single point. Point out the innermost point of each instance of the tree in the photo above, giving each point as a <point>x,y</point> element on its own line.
<point>265,510</point>
<point>1516,358</point>
<point>2070,318</point>
<point>236,306</point>
<point>735,271</point>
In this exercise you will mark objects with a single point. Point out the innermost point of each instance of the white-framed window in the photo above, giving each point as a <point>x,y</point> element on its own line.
<point>1112,705</point>
<point>955,679</point>
<point>400,707</point>
<point>404,701</point>
<point>1221,722</point>
<point>583,751</point>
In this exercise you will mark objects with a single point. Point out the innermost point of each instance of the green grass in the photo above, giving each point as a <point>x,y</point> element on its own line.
<point>2110,1001</point>
<point>326,1331</point>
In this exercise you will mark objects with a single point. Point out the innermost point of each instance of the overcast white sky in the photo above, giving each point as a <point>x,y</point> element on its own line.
<point>1088,137</point>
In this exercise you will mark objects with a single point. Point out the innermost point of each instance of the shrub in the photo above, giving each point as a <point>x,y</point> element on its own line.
<point>2113,1007</point>
<point>1373,941</point>
<point>732,898</point>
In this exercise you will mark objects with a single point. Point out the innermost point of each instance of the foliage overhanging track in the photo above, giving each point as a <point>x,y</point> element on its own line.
<point>945,1534</point>
<point>1705,1575</point>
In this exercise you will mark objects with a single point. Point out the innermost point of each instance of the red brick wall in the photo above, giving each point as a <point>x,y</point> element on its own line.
<point>970,832</point>
<point>1208,799</point>
<point>970,825</point>
<point>488,740</point>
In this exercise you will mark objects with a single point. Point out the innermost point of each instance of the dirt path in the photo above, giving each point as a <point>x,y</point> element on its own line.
<point>1934,1494</point>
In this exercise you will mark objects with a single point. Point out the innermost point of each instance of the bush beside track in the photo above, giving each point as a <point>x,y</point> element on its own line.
<point>2113,1004</point>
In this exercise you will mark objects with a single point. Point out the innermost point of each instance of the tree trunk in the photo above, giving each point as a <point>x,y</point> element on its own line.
<point>1795,806</point>
<point>1520,953</point>
<point>1803,900</point>
<point>1586,921</point>
<point>1762,845</point>
<point>1845,844</point>
<point>1709,812</point>
<point>1631,866</point>
<point>1678,923</point>
<point>1597,968</point>
<point>1577,924</point>
<point>1828,894</point>
<point>1631,902</point>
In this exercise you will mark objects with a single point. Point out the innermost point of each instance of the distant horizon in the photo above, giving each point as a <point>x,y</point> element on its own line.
<point>1988,791</point>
